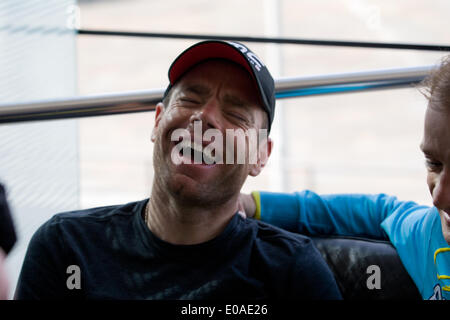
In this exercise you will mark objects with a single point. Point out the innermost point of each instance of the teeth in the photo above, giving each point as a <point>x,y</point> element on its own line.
<point>190,144</point>
<point>207,157</point>
<point>196,148</point>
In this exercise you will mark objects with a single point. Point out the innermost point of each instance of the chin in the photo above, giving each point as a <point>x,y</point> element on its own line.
<point>190,192</point>
<point>445,228</point>
<point>186,190</point>
<point>180,184</point>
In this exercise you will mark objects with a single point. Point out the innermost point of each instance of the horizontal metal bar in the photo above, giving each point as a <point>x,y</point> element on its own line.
<point>74,107</point>
<point>407,74</point>
<point>311,42</point>
<point>139,101</point>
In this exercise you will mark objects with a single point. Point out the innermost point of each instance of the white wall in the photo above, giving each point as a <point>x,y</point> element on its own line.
<point>38,160</point>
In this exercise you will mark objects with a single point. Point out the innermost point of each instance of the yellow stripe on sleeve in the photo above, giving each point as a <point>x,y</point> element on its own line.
<point>257,199</point>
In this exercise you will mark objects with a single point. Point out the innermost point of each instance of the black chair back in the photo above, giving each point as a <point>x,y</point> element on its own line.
<point>350,259</point>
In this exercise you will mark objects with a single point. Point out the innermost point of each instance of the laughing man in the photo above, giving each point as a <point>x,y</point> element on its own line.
<point>186,241</point>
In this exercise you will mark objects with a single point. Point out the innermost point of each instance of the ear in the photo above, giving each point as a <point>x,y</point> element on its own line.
<point>264,151</point>
<point>159,111</point>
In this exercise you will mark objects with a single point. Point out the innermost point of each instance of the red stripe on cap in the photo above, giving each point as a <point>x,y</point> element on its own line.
<point>203,52</point>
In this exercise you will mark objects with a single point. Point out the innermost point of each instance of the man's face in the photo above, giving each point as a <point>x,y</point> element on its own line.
<point>222,96</point>
<point>436,148</point>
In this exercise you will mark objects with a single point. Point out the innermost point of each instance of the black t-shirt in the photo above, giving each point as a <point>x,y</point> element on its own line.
<point>118,257</point>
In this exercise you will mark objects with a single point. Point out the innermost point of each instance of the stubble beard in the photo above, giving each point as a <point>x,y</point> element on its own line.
<point>190,193</point>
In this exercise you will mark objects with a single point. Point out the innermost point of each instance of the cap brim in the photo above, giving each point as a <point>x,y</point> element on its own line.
<point>203,51</point>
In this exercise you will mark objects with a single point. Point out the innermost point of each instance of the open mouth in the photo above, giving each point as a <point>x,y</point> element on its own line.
<point>193,153</point>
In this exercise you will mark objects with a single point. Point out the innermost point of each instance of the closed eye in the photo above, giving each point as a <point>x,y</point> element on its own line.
<point>188,100</point>
<point>237,116</point>
<point>433,165</point>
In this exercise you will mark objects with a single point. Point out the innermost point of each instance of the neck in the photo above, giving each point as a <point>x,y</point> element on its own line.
<point>186,224</point>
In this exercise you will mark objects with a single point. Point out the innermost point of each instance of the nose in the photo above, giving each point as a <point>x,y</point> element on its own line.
<point>441,191</point>
<point>208,114</point>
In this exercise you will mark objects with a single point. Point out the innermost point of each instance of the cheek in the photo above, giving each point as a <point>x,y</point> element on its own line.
<point>431,182</point>
<point>172,119</point>
<point>171,114</point>
<point>240,148</point>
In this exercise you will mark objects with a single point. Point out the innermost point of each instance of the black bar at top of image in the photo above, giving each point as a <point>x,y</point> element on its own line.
<point>359,44</point>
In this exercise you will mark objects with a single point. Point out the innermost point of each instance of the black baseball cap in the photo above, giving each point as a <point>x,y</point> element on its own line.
<point>235,52</point>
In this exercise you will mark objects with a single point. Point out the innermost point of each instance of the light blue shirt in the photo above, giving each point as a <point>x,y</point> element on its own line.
<point>414,230</point>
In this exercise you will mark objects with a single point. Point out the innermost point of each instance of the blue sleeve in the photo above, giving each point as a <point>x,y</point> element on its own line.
<point>411,231</point>
<point>346,215</point>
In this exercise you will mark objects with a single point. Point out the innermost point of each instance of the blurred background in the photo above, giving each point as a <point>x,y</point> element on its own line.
<point>365,142</point>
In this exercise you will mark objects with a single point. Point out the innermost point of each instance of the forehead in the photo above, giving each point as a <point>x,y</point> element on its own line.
<point>218,72</point>
<point>436,137</point>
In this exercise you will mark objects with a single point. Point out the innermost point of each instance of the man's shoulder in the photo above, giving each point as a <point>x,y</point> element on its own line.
<point>89,218</point>
<point>273,237</point>
<point>99,213</point>
<point>291,264</point>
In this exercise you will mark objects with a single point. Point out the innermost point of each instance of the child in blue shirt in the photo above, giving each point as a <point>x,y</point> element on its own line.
<point>420,234</point>
<point>414,230</point>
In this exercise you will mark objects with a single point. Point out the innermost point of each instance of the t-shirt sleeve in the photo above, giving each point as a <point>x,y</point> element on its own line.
<point>43,270</point>
<point>337,214</point>
<point>410,230</point>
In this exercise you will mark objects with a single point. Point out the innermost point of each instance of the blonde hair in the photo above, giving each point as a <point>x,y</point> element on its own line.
<point>436,86</point>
